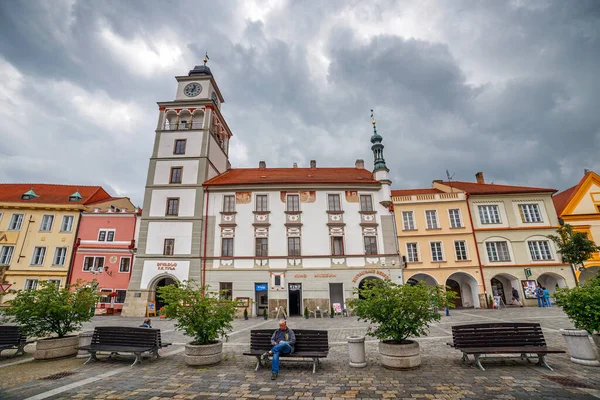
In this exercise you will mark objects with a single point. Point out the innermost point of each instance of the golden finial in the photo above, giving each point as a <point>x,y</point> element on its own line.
<point>206,58</point>
<point>373,119</point>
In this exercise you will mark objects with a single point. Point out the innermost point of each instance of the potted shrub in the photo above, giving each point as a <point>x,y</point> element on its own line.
<point>52,313</point>
<point>246,314</point>
<point>265,315</point>
<point>331,312</point>
<point>397,312</point>
<point>582,306</point>
<point>490,301</point>
<point>201,314</point>
<point>305,312</point>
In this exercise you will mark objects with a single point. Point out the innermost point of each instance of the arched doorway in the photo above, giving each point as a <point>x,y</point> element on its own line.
<point>589,272</point>
<point>361,285</point>
<point>454,286</point>
<point>165,281</point>
<point>502,285</point>
<point>498,289</point>
<point>551,281</point>
<point>428,279</point>
<point>467,289</point>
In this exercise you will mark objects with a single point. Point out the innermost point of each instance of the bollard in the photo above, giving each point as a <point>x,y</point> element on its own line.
<point>447,311</point>
<point>85,339</point>
<point>356,347</point>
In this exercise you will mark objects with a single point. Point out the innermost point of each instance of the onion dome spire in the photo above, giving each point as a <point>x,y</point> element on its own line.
<point>377,147</point>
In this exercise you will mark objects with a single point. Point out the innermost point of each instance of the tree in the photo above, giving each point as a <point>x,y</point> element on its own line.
<point>574,246</point>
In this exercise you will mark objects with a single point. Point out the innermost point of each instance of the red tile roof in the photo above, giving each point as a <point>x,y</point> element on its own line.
<point>252,176</point>
<point>51,194</point>
<point>562,199</point>
<point>492,188</point>
<point>410,192</point>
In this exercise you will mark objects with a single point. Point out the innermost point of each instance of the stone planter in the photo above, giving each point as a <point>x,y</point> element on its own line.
<point>580,348</point>
<point>403,355</point>
<point>596,339</point>
<point>356,348</point>
<point>47,349</point>
<point>85,339</point>
<point>203,354</point>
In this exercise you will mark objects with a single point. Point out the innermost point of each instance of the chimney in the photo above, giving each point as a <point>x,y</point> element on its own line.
<point>262,164</point>
<point>313,163</point>
<point>479,177</point>
<point>96,210</point>
<point>437,181</point>
<point>586,171</point>
<point>123,210</point>
<point>360,164</point>
<point>295,165</point>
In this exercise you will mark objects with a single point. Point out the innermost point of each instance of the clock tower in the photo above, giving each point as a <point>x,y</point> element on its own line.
<point>191,146</point>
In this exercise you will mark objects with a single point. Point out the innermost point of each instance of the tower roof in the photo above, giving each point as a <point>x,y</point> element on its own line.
<point>200,70</point>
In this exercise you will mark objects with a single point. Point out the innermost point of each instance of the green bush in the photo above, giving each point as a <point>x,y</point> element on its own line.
<point>331,312</point>
<point>245,313</point>
<point>582,304</point>
<point>199,313</point>
<point>50,310</point>
<point>399,311</point>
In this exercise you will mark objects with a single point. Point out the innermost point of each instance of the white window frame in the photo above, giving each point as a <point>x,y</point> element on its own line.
<point>287,203</point>
<point>70,226</point>
<point>56,249</point>
<point>44,217</point>
<point>95,266</point>
<point>106,232</point>
<point>1,214</point>
<point>120,262</point>
<point>535,245</point>
<point>225,196</point>
<point>489,215</point>
<point>495,244</point>
<point>522,207</point>
<point>232,246</point>
<point>341,202</point>
<point>256,202</point>
<point>404,221</point>
<point>441,250</point>
<point>20,218</point>
<point>35,282</point>
<point>417,253</point>
<point>450,219</point>
<point>2,255</point>
<point>117,291</point>
<point>376,245</point>
<point>361,204</point>
<point>33,256</point>
<point>436,219</point>
<point>466,250</point>
<point>59,281</point>
<point>105,290</point>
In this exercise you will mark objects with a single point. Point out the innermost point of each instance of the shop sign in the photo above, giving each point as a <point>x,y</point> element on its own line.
<point>299,276</point>
<point>166,266</point>
<point>371,271</point>
<point>325,275</point>
<point>260,287</point>
<point>295,286</point>
<point>8,237</point>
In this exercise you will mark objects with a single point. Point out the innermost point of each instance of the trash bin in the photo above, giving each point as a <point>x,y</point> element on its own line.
<point>356,347</point>
<point>85,339</point>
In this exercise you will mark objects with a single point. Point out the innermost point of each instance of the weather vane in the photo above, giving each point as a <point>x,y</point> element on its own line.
<point>206,58</point>
<point>373,119</point>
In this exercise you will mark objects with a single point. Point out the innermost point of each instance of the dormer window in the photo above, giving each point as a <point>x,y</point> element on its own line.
<point>75,197</point>
<point>29,195</point>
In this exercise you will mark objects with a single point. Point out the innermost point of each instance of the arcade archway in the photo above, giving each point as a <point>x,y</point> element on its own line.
<point>466,288</point>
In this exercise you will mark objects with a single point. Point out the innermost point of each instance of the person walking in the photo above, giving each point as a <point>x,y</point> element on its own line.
<point>547,301</point>
<point>283,341</point>
<point>147,323</point>
<point>515,296</point>
<point>539,293</point>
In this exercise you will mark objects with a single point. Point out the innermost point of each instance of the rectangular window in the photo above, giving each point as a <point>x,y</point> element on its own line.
<point>262,247</point>
<point>460,247</point>
<point>93,263</point>
<point>39,253</point>
<point>179,147</point>
<point>293,203</point>
<point>31,284</point>
<point>121,294</point>
<point>337,246</point>
<point>226,290</point>
<point>539,250</point>
<point>333,201</point>
<point>6,254</point>
<point>408,220</point>
<point>530,213</point>
<point>176,174</point>
<point>169,247</point>
<point>229,203</point>
<point>125,264</point>
<point>15,222</point>
<point>46,225</point>
<point>497,251</point>
<point>412,252</point>
<point>104,295</point>
<point>56,282</point>
<point>370,245</point>
<point>489,214</point>
<point>294,246</point>
<point>227,247</point>
<point>366,202</point>
<point>173,206</point>
<point>261,203</point>
<point>60,254</point>
<point>436,251</point>
<point>432,220</point>
<point>455,221</point>
<point>67,223</point>
<point>110,236</point>
<point>106,235</point>
<point>277,280</point>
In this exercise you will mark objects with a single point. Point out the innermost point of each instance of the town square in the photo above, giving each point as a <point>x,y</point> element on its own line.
<point>279,199</point>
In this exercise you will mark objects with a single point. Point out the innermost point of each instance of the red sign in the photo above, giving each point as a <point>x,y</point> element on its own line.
<point>4,287</point>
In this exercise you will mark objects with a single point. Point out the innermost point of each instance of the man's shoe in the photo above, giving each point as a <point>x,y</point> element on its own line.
<point>274,376</point>
<point>264,358</point>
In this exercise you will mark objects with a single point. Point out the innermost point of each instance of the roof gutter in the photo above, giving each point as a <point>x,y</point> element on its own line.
<point>477,251</point>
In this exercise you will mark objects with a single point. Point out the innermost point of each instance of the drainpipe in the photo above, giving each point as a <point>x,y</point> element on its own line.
<point>205,239</point>
<point>400,263</point>
<point>75,246</point>
<point>477,252</point>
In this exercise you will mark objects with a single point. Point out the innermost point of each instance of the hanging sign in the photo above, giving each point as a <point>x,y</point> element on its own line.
<point>4,287</point>
<point>260,287</point>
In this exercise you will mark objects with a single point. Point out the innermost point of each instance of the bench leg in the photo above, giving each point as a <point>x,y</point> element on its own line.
<point>257,363</point>
<point>542,362</point>
<point>315,362</point>
<point>138,358</point>
<point>478,362</point>
<point>92,357</point>
<point>21,349</point>
<point>465,357</point>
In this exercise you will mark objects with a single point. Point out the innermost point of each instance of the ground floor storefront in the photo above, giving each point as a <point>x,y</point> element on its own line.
<point>21,280</point>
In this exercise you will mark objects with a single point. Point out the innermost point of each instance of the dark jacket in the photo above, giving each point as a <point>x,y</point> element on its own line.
<point>287,335</point>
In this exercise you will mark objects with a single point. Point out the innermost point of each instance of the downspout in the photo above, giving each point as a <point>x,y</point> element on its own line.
<point>75,246</point>
<point>400,263</point>
<point>477,252</point>
<point>205,239</point>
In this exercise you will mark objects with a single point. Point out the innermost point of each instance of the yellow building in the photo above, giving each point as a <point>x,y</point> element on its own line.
<point>38,226</point>
<point>579,206</point>
<point>436,236</point>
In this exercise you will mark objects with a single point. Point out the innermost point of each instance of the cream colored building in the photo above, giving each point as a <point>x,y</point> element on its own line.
<point>435,236</point>
<point>38,225</point>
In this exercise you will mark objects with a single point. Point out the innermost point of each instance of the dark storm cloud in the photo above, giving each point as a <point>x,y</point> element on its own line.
<point>510,88</point>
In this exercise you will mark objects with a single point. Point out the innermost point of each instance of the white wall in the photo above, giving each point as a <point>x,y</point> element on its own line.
<point>189,173</point>
<point>216,155</point>
<point>204,94</point>
<point>187,201</point>
<point>159,231</point>
<point>167,143</point>
<point>152,268</point>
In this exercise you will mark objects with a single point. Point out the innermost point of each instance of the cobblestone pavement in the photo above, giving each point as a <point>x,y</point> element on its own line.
<point>441,376</point>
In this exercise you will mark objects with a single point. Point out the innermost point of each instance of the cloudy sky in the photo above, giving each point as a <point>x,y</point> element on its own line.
<point>510,88</point>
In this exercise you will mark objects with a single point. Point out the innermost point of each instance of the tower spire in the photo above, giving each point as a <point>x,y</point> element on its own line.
<point>377,147</point>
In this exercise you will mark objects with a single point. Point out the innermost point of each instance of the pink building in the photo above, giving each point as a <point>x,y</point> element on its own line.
<point>105,249</point>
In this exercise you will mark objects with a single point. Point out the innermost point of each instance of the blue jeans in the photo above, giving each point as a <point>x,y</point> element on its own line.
<point>540,301</point>
<point>282,347</point>
<point>547,302</point>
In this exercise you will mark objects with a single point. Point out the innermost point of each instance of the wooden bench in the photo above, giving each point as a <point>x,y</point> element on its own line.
<point>311,344</point>
<point>502,338</point>
<point>120,339</point>
<point>12,338</point>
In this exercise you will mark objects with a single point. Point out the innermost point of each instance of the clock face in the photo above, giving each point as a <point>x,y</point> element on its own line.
<point>192,89</point>
<point>213,96</point>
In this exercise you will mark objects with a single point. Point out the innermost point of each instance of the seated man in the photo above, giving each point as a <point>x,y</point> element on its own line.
<point>283,340</point>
